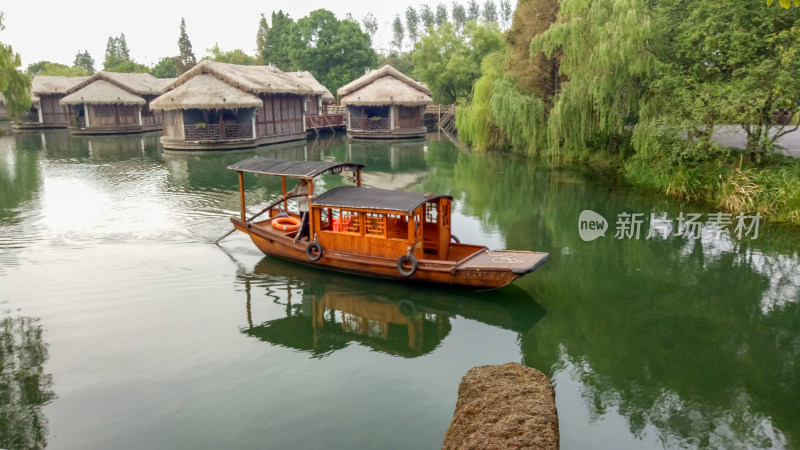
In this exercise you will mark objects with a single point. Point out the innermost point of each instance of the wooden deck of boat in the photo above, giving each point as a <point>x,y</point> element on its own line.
<point>517,261</point>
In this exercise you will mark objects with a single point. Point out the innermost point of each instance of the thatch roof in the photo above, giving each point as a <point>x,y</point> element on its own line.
<point>205,91</point>
<point>310,81</point>
<point>101,92</point>
<point>385,86</point>
<point>135,83</point>
<point>373,75</point>
<point>251,79</point>
<point>386,91</point>
<point>44,85</point>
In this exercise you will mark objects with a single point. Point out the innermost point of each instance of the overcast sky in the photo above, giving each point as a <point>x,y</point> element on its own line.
<point>56,30</point>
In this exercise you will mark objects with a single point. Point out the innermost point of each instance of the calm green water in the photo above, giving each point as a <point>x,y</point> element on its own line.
<point>125,327</point>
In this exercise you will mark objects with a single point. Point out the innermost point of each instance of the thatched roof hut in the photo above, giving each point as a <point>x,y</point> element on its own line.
<point>216,106</point>
<point>101,92</point>
<point>385,86</point>
<point>205,91</point>
<point>50,85</point>
<point>134,83</point>
<point>308,79</point>
<point>251,79</point>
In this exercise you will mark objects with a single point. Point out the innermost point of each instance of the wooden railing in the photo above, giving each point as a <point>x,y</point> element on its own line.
<point>29,117</point>
<point>373,123</point>
<point>325,120</point>
<point>216,132</point>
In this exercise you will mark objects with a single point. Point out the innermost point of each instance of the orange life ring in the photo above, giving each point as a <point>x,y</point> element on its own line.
<point>286,224</point>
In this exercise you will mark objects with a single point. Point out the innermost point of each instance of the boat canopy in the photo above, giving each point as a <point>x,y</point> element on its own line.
<point>352,197</point>
<point>291,168</point>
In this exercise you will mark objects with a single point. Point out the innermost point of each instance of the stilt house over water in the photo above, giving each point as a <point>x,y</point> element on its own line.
<point>385,104</point>
<point>47,112</point>
<point>115,103</point>
<point>218,106</point>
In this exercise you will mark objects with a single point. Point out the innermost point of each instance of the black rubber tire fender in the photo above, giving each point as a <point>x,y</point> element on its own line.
<point>455,238</point>
<point>402,260</point>
<point>314,251</point>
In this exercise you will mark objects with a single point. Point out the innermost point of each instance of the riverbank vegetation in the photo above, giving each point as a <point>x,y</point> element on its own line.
<point>644,86</point>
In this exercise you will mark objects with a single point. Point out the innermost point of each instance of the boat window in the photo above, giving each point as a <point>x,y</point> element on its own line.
<point>349,222</point>
<point>431,212</point>
<point>396,226</point>
<point>375,224</point>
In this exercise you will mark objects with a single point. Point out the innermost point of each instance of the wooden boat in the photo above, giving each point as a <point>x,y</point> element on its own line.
<point>375,232</point>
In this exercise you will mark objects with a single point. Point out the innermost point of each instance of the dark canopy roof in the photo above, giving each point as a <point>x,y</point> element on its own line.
<point>371,198</point>
<point>289,167</point>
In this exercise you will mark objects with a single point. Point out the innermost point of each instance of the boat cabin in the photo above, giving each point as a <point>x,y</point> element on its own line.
<point>381,222</point>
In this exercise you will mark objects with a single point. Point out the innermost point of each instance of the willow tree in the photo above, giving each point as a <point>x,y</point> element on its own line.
<point>14,85</point>
<point>607,75</point>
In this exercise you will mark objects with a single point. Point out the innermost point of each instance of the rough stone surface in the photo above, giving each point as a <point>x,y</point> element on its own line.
<point>500,407</point>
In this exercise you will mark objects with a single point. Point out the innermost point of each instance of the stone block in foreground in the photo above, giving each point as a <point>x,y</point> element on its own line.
<point>507,406</point>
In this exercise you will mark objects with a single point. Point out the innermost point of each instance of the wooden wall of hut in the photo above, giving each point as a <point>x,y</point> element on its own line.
<point>149,116</point>
<point>280,114</point>
<point>52,111</point>
<point>105,115</point>
<point>312,104</point>
<point>173,124</point>
<point>409,117</point>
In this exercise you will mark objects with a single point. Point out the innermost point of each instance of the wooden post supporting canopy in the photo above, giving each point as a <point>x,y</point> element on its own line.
<point>285,202</point>
<point>241,194</point>
<point>311,228</point>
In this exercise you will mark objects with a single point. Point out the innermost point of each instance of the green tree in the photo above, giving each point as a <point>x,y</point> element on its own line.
<point>236,56</point>
<point>473,10</point>
<point>400,61</point>
<point>723,64</point>
<point>397,33</point>
<point>276,49</point>
<point>261,36</point>
<point>55,69</point>
<point>186,58</point>
<point>122,46</point>
<point>33,69</point>
<point>335,52</point>
<point>441,14</point>
<point>506,13</point>
<point>85,61</point>
<point>427,16</point>
<point>370,25</point>
<point>14,85</point>
<point>129,67</point>
<point>412,24</point>
<point>449,64</point>
<point>117,52</point>
<point>489,11</point>
<point>459,15</point>
<point>165,68</point>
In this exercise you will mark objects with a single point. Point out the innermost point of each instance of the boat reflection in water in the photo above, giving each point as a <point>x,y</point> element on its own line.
<point>326,312</point>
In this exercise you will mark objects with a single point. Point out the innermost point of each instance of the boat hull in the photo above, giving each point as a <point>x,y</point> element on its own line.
<point>475,273</point>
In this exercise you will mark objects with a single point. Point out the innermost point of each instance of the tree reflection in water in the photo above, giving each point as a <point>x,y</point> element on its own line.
<point>24,387</point>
